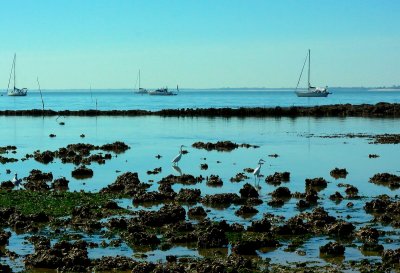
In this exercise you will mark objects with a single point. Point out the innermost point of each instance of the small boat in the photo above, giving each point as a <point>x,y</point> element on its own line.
<point>163,92</point>
<point>15,92</point>
<point>311,91</point>
<point>141,91</point>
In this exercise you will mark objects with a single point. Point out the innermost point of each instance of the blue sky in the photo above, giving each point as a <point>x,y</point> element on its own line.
<point>199,44</point>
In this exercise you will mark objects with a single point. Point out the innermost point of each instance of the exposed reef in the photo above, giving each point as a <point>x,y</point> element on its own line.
<point>381,109</point>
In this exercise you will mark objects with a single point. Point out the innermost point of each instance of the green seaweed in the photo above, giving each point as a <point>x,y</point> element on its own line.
<point>56,204</point>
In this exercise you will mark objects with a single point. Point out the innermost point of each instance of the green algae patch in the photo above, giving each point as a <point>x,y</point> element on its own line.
<point>56,204</point>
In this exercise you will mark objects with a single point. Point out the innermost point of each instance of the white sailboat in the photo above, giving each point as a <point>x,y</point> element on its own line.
<point>15,92</point>
<point>311,91</point>
<point>141,91</point>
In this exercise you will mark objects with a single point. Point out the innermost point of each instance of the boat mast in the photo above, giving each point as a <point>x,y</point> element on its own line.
<point>15,59</point>
<point>309,61</point>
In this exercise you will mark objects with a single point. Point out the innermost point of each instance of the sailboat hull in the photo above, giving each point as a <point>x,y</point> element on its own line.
<point>312,94</point>
<point>17,92</point>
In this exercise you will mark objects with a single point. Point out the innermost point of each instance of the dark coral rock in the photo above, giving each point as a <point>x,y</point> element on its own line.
<point>44,157</point>
<point>294,226</point>
<point>7,185</point>
<point>391,257</point>
<point>336,196</point>
<point>276,202</point>
<point>185,179</point>
<point>338,173</point>
<point>246,210</point>
<point>109,264</point>
<point>214,181</point>
<point>332,249</point>
<point>4,236</point>
<point>248,191</point>
<point>222,146</point>
<point>386,179</point>
<point>239,177</point>
<point>127,183</point>
<point>377,205</point>
<point>221,199</point>
<point>188,195</point>
<point>60,184</point>
<point>351,191</point>
<point>249,247</point>
<point>281,193</point>
<point>82,172</point>
<point>155,171</point>
<point>318,183</point>
<point>368,234</point>
<point>112,205</point>
<point>277,178</point>
<point>166,215</point>
<point>153,196</point>
<point>197,212</point>
<point>260,226</point>
<point>372,247</point>
<point>141,238</point>
<point>302,204</point>
<point>116,147</point>
<point>341,229</point>
<point>211,238</point>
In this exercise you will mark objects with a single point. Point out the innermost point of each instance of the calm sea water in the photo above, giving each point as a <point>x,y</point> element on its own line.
<point>125,99</point>
<point>151,135</point>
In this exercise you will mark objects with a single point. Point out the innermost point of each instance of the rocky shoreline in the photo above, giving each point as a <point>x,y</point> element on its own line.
<point>381,109</point>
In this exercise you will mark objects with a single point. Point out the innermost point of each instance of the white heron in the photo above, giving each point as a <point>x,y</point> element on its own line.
<point>16,181</point>
<point>256,173</point>
<point>178,157</point>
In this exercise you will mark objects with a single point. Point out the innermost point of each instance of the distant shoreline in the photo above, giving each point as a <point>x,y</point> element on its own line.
<point>381,109</point>
<point>288,89</point>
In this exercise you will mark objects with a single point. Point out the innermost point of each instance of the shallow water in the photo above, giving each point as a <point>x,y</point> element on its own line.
<point>304,157</point>
<point>125,99</point>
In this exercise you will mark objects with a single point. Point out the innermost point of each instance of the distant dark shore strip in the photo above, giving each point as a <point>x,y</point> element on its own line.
<point>381,109</point>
